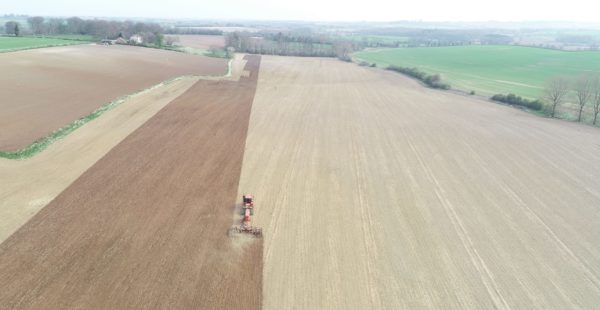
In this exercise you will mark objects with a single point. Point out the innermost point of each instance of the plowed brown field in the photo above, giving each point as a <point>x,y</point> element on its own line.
<point>26,186</point>
<point>45,89</point>
<point>377,193</point>
<point>145,227</point>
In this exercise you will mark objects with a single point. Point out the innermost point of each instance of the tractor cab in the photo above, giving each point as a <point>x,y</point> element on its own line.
<point>248,200</point>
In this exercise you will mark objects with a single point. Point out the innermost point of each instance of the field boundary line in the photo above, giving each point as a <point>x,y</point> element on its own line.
<point>11,50</point>
<point>41,144</point>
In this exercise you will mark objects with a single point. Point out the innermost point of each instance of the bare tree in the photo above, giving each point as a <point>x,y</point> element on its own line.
<point>595,97</point>
<point>37,24</point>
<point>583,91</point>
<point>75,25</point>
<point>555,91</point>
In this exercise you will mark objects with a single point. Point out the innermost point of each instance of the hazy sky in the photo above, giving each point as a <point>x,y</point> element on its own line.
<point>370,10</point>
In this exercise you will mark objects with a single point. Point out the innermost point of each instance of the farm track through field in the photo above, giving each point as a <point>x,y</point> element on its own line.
<point>145,227</point>
<point>377,193</point>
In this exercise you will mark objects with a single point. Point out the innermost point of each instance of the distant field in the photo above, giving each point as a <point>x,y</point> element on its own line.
<point>376,38</point>
<point>203,42</point>
<point>490,69</point>
<point>46,89</point>
<point>78,37</point>
<point>224,28</point>
<point>18,43</point>
<point>200,44</point>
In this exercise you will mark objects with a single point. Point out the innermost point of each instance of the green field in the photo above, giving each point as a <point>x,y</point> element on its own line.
<point>490,70</point>
<point>77,37</point>
<point>19,43</point>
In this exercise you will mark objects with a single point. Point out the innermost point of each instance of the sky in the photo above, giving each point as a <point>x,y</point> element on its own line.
<point>318,10</point>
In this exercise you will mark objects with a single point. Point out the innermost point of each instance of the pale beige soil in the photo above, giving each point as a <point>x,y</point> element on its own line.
<point>28,185</point>
<point>376,193</point>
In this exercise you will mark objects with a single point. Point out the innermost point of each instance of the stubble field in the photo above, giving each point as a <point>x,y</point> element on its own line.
<point>376,193</point>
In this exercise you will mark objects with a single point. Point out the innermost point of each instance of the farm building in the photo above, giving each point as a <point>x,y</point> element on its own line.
<point>120,40</point>
<point>136,39</point>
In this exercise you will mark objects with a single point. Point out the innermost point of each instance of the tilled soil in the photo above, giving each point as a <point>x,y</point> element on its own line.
<point>145,227</point>
<point>45,89</point>
<point>26,186</point>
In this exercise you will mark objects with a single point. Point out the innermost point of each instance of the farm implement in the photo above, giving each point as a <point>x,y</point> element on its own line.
<point>245,227</point>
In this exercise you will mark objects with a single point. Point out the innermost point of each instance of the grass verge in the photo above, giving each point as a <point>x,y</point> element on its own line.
<point>13,44</point>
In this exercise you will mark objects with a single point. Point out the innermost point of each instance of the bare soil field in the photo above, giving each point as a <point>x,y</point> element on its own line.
<point>145,227</point>
<point>51,87</point>
<point>201,41</point>
<point>376,193</point>
<point>26,186</point>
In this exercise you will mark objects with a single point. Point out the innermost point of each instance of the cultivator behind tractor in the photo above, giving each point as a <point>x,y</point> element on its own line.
<point>246,227</point>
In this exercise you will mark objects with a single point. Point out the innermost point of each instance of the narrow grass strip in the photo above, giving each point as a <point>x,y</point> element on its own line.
<point>10,50</point>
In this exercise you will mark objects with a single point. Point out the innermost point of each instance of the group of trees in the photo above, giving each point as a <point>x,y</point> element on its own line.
<point>431,80</point>
<point>435,37</point>
<point>513,99</point>
<point>77,26</point>
<point>12,28</point>
<point>586,90</point>
<point>583,90</point>
<point>289,44</point>
<point>194,30</point>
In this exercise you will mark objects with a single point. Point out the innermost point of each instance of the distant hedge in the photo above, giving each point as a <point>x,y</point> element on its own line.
<point>518,100</point>
<point>431,80</point>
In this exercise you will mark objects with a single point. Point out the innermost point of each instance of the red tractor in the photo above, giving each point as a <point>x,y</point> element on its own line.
<point>245,226</point>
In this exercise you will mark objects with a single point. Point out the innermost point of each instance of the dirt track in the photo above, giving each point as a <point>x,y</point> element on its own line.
<point>145,227</point>
<point>51,87</point>
<point>376,193</point>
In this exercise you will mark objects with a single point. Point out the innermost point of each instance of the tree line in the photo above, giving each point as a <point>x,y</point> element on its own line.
<point>584,89</point>
<point>431,80</point>
<point>98,28</point>
<point>193,30</point>
<point>290,44</point>
<point>513,99</point>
